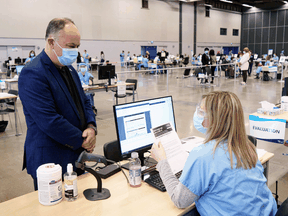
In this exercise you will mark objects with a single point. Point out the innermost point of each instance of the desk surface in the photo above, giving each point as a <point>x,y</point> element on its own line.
<point>124,200</point>
<point>87,88</point>
<point>7,96</point>
<point>282,116</point>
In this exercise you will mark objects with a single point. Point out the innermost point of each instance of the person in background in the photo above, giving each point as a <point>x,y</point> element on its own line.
<point>230,53</point>
<point>213,63</point>
<point>60,121</point>
<point>259,70</point>
<point>102,58</point>
<point>86,79</point>
<point>31,57</point>
<point>144,63</point>
<point>244,64</point>
<point>267,63</point>
<point>223,176</point>
<point>218,53</point>
<point>86,57</point>
<point>148,55</point>
<point>128,54</point>
<point>79,60</point>
<point>275,57</point>
<point>205,61</point>
<point>122,56</point>
<point>250,63</point>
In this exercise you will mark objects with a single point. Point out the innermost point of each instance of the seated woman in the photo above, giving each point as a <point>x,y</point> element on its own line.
<point>31,57</point>
<point>267,63</point>
<point>144,63</point>
<point>259,70</point>
<point>223,176</point>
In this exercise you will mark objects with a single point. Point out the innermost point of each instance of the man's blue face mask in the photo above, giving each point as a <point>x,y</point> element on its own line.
<point>206,52</point>
<point>68,55</point>
<point>32,54</point>
<point>198,119</point>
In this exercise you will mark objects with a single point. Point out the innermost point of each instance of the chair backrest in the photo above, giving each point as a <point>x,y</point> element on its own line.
<point>253,140</point>
<point>131,81</point>
<point>198,70</point>
<point>111,151</point>
<point>186,60</point>
<point>12,91</point>
<point>208,70</point>
<point>187,72</point>
<point>283,210</point>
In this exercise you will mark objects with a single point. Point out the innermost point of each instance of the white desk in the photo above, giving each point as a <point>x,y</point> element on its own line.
<point>6,96</point>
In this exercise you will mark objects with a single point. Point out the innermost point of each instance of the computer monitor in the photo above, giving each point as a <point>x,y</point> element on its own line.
<point>106,72</point>
<point>18,61</point>
<point>140,58</point>
<point>23,60</point>
<point>134,122</point>
<point>19,68</point>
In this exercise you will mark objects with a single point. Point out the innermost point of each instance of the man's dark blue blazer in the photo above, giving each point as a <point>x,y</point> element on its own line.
<point>53,122</point>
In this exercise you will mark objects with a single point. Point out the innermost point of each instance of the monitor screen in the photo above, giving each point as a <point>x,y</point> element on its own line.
<point>19,68</point>
<point>18,61</point>
<point>103,72</point>
<point>140,59</point>
<point>134,122</point>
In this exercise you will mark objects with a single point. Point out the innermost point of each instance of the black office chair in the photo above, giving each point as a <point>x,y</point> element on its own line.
<point>111,151</point>
<point>283,210</point>
<point>186,61</point>
<point>253,140</point>
<point>129,89</point>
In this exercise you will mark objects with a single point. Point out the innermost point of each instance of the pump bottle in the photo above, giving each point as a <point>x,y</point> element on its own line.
<point>70,184</point>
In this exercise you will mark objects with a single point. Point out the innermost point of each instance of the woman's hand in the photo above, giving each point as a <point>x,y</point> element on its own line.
<point>158,152</point>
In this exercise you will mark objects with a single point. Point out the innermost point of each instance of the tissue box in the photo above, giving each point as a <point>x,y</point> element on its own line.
<point>273,112</point>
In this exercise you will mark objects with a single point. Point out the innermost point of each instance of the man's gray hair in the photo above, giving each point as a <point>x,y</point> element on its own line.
<point>55,25</point>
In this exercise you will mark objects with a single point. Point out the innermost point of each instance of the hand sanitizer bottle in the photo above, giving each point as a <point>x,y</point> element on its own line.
<point>70,184</point>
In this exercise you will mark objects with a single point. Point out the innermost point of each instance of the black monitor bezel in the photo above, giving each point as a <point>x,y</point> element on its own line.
<point>112,72</point>
<point>143,149</point>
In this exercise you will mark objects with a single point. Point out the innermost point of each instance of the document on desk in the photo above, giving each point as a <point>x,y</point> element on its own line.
<point>175,153</point>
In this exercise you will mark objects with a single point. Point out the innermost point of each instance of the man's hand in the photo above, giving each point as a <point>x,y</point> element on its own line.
<point>89,139</point>
<point>157,152</point>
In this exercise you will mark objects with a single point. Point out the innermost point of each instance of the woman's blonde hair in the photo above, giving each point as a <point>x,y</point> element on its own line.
<point>226,122</point>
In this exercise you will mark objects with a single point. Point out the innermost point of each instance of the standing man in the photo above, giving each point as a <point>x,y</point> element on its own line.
<point>244,64</point>
<point>122,56</point>
<point>205,61</point>
<point>59,117</point>
<point>251,59</point>
<point>86,58</point>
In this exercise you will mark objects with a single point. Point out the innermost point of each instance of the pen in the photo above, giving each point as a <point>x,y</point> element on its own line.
<point>285,154</point>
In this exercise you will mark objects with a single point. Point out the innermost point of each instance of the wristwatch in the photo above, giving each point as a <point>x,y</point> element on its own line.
<point>94,128</point>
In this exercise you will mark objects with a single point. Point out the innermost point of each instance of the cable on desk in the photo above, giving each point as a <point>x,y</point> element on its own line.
<point>118,164</point>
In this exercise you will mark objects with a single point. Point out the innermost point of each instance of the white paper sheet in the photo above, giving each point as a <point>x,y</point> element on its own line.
<point>175,153</point>
<point>260,152</point>
<point>191,142</point>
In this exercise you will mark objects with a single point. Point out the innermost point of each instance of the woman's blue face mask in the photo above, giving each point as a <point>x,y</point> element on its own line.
<point>198,119</point>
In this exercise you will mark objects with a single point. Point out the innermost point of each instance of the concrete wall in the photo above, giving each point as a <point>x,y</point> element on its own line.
<point>208,29</point>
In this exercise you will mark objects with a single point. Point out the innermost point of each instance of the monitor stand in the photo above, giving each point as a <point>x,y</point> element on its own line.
<point>148,162</point>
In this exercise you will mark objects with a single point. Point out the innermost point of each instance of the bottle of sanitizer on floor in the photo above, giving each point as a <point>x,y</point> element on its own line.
<point>135,170</point>
<point>70,184</point>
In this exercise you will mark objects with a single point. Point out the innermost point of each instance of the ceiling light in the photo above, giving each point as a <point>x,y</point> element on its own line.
<point>226,1</point>
<point>246,5</point>
<point>285,2</point>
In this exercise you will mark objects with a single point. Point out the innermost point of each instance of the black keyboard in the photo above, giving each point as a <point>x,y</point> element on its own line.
<point>156,181</point>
